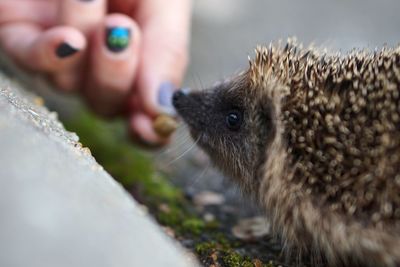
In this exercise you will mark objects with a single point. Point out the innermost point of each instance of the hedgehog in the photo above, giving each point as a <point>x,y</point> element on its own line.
<point>314,138</point>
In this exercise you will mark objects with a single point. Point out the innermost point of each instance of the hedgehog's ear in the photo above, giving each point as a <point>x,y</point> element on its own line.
<point>267,108</point>
<point>265,117</point>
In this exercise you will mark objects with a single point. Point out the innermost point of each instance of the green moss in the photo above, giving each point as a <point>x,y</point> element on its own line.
<point>169,219</point>
<point>180,223</point>
<point>222,240</point>
<point>193,225</point>
<point>271,264</point>
<point>232,260</point>
<point>205,248</point>
<point>158,188</point>
<point>109,145</point>
<point>212,225</point>
<point>223,254</point>
<point>247,263</point>
<point>172,218</point>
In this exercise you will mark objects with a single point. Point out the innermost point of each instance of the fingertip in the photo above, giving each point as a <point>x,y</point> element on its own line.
<point>164,53</point>
<point>83,15</point>
<point>156,95</point>
<point>114,59</point>
<point>53,50</point>
<point>67,81</point>
<point>71,41</point>
<point>161,71</point>
<point>58,49</point>
<point>119,38</point>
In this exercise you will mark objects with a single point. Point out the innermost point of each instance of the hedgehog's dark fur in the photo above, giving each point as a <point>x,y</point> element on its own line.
<point>319,147</point>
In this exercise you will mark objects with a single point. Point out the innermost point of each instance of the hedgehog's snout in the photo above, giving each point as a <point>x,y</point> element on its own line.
<point>190,105</point>
<point>178,96</point>
<point>183,103</point>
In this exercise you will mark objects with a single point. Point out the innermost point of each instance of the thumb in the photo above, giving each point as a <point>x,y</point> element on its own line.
<point>164,52</point>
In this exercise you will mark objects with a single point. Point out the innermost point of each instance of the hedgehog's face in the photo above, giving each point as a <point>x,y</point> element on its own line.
<point>231,124</point>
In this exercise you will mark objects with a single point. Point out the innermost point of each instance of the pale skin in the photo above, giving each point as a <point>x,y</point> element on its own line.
<point>126,82</point>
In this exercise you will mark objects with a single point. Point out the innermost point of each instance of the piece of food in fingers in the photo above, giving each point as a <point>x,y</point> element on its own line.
<point>165,125</point>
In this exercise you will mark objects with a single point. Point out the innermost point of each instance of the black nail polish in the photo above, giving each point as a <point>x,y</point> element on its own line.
<point>65,50</point>
<point>117,38</point>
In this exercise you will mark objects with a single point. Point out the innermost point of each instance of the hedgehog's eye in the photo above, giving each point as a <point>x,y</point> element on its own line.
<point>233,120</point>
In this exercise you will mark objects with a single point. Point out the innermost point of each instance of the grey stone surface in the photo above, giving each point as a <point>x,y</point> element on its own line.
<point>58,206</point>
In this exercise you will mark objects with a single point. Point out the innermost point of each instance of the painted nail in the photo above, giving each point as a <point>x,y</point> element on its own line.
<point>117,38</point>
<point>65,50</point>
<point>165,92</point>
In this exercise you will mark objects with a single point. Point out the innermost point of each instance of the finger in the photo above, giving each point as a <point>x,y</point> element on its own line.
<point>40,12</point>
<point>68,81</point>
<point>165,27</point>
<point>84,15</point>
<point>113,58</point>
<point>122,6</point>
<point>54,50</point>
<point>141,126</point>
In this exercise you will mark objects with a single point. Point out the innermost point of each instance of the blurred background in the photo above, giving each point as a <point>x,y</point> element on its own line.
<point>226,31</point>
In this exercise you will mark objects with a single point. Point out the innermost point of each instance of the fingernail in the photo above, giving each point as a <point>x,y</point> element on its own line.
<point>165,92</point>
<point>117,38</point>
<point>65,50</point>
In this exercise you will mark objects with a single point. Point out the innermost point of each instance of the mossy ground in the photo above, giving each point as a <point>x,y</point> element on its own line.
<point>134,169</point>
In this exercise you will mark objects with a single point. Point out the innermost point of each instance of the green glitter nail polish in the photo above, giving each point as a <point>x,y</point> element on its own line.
<point>117,38</point>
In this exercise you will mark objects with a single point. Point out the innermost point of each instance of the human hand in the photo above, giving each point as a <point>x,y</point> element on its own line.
<point>123,56</point>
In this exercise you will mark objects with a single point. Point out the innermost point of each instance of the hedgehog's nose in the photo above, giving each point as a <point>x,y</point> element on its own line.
<point>178,95</point>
